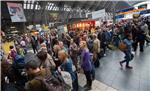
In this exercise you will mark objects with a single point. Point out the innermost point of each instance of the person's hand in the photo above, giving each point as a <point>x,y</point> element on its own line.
<point>59,69</point>
<point>6,80</point>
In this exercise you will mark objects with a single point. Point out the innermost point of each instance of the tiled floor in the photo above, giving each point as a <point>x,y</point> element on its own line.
<point>96,86</point>
<point>109,74</point>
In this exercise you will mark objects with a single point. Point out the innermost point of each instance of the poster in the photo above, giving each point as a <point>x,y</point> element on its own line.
<point>16,12</point>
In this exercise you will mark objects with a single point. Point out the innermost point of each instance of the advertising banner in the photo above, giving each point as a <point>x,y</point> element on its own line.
<point>16,12</point>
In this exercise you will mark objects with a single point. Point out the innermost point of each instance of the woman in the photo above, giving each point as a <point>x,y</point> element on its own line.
<point>128,55</point>
<point>67,65</point>
<point>86,64</point>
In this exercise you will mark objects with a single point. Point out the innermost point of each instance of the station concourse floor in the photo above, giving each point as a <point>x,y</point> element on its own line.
<point>110,76</point>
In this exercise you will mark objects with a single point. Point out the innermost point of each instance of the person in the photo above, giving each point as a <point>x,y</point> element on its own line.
<point>4,73</point>
<point>34,44</point>
<point>20,51</point>
<point>128,54</point>
<point>67,65</point>
<point>1,54</point>
<point>61,44</point>
<point>73,52</point>
<point>46,60</point>
<point>33,70</point>
<point>90,43</point>
<point>103,40</point>
<point>56,49</point>
<point>96,50</point>
<point>48,45</point>
<point>66,39</point>
<point>146,31</point>
<point>12,54</point>
<point>23,45</point>
<point>86,64</point>
<point>140,37</point>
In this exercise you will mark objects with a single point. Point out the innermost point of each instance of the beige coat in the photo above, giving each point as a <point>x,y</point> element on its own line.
<point>49,63</point>
<point>96,46</point>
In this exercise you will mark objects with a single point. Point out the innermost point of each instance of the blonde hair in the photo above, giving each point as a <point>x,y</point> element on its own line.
<point>84,44</point>
<point>64,53</point>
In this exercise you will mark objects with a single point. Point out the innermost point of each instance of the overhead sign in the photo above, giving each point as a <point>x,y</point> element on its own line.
<point>132,11</point>
<point>99,14</point>
<point>16,12</point>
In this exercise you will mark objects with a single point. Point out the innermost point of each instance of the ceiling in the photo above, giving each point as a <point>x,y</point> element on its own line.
<point>83,5</point>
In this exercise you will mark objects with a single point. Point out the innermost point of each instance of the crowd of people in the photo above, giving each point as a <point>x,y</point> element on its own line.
<point>55,62</point>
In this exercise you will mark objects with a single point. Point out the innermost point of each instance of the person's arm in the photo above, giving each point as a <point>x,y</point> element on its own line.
<point>51,61</point>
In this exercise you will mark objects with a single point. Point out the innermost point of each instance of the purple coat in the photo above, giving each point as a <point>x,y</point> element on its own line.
<point>85,60</point>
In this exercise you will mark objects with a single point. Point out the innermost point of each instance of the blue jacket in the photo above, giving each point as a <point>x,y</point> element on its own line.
<point>67,66</point>
<point>129,44</point>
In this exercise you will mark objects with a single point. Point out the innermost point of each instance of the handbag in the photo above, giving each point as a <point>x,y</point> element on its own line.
<point>122,46</point>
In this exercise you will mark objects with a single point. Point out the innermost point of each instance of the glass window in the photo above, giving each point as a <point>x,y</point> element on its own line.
<point>36,7</point>
<point>31,6</point>
<point>24,6</point>
<point>28,6</point>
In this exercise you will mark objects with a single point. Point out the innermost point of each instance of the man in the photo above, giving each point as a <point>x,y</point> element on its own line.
<point>146,31</point>
<point>103,40</point>
<point>34,44</point>
<point>33,70</point>
<point>46,60</point>
<point>140,37</point>
<point>96,50</point>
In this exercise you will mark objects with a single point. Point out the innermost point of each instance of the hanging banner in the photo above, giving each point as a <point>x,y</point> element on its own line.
<point>16,12</point>
<point>99,14</point>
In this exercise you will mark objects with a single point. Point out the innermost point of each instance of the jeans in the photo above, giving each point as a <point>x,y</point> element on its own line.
<point>128,57</point>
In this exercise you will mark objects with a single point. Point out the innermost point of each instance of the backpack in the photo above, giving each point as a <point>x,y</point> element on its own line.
<point>122,46</point>
<point>19,62</point>
<point>67,78</point>
<point>54,82</point>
